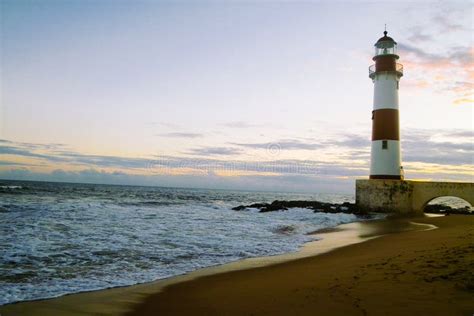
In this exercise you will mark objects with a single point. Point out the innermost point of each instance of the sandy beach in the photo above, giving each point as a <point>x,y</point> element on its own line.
<point>410,273</point>
<point>424,272</point>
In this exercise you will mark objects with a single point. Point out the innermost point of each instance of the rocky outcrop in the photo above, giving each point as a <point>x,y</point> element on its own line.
<point>316,206</point>
<point>346,207</point>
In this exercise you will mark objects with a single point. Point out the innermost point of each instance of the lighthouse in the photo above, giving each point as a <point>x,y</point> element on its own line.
<point>386,191</point>
<point>385,159</point>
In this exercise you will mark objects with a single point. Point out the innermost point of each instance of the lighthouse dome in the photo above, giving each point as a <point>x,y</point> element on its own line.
<point>385,38</point>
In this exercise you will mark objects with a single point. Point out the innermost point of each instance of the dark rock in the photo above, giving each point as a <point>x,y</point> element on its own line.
<point>317,206</point>
<point>255,205</point>
<point>444,209</point>
<point>239,208</point>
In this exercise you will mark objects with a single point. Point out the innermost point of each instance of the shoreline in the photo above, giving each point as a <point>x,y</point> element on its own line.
<point>407,273</point>
<point>118,300</point>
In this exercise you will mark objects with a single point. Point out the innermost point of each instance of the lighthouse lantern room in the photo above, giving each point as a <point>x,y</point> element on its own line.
<point>385,162</point>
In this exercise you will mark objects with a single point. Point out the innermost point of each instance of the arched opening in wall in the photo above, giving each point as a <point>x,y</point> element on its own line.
<point>448,205</point>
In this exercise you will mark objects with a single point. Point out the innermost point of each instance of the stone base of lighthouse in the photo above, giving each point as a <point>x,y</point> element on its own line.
<point>384,196</point>
<point>407,197</point>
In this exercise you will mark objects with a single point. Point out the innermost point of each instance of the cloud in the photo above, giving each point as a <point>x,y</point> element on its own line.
<point>417,36</point>
<point>445,23</point>
<point>447,153</point>
<point>240,124</point>
<point>437,70</point>
<point>105,161</point>
<point>12,150</point>
<point>166,124</point>
<point>420,146</point>
<point>284,144</point>
<point>13,163</point>
<point>181,135</point>
<point>288,166</point>
<point>440,53</point>
<point>419,53</point>
<point>55,156</point>
<point>460,134</point>
<point>211,151</point>
<point>463,88</point>
<point>354,141</point>
<point>462,101</point>
<point>49,146</point>
<point>456,136</point>
<point>460,55</point>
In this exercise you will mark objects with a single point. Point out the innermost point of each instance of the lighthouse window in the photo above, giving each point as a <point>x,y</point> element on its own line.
<point>398,84</point>
<point>384,144</point>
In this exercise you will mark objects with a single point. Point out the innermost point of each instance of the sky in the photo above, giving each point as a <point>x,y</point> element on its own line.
<point>248,95</point>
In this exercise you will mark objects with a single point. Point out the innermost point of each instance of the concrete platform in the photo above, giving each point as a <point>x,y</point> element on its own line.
<point>407,196</point>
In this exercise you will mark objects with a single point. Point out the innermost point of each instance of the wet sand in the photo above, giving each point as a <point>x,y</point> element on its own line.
<point>413,272</point>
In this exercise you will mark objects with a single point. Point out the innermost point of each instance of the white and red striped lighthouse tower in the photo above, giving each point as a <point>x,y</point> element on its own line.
<point>385,161</point>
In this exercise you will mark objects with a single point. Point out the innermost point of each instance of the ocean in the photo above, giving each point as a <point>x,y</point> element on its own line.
<point>61,238</point>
